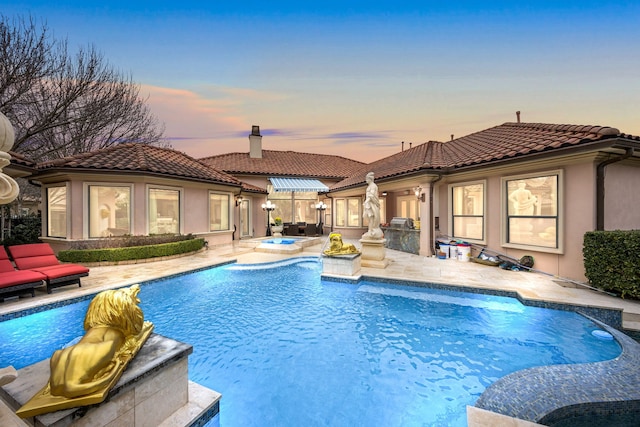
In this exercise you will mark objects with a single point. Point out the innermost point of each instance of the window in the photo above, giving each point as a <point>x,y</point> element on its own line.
<point>532,210</point>
<point>109,210</point>
<point>408,207</point>
<point>467,210</point>
<point>219,212</point>
<point>57,211</point>
<point>164,211</point>
<point>341,212</point>
<point>349,212</point>
<point>294,206</point>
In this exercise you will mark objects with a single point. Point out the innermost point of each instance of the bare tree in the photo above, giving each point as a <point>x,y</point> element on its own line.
<point>61,105</point>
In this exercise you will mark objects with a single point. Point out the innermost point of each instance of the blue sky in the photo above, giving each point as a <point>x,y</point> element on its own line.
<point>357,78</point>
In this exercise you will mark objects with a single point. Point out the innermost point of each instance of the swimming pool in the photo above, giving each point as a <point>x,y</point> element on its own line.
<point>287,348</point>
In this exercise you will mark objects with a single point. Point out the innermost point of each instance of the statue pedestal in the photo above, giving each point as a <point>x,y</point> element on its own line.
<point>154,390</point>
<point>341,265</point>
<point>373,253</point>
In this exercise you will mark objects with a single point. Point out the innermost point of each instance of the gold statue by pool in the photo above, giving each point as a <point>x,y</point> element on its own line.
<point>82,374</point>
<point>338,247</point>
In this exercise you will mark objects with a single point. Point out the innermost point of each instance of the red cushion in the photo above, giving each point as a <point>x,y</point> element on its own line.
<point>3,253</point>
<point>31,249</point>
<point>6,266</point>
<point>29,263</point>
<point>20,277</point>
<point>62,270</point>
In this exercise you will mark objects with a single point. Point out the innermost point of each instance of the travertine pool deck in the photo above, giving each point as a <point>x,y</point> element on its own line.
<point>535,288</point>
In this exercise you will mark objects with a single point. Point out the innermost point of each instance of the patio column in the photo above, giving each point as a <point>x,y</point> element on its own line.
<point>426,224</point>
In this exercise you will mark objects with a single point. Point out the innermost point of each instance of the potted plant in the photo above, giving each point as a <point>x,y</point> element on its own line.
<point>278,227</point>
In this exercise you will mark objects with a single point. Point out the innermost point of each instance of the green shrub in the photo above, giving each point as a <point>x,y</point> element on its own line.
<point>129,240</point>
<point>612,261</point>
<point>24,229</point>
<point>131,253</point>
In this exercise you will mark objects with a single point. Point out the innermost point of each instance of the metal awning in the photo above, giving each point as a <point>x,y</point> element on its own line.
<point>298,184</point>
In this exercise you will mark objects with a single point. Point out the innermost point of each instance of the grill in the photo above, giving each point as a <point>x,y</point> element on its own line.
<point>401,223</point>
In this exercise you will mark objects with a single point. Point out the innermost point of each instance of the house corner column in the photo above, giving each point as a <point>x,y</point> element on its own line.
<point>426,223</point>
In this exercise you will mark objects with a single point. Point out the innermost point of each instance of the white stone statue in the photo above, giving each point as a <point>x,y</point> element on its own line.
<point>372,210</point>
<point>8,186</point>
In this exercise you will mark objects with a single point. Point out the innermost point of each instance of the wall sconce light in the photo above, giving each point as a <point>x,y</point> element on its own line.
<point>238,200</point>
<point>384,193</point>
<point>419,194</point>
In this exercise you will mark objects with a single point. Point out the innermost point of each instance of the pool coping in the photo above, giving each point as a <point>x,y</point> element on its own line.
<point>554,393</point>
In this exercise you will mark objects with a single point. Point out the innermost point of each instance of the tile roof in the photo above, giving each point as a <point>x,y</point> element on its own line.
<point>19,159</point>
<point>145,158</point>
<point>507,141</point>
<point>289,163</point>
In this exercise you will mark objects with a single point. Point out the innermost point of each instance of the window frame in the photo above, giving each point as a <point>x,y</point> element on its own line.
<point>180,192</point>
<point>559,216</point>
<point>451,214</point>
<point>87,208</point>
<point>348,213</point>
<point>67,204</point>
<point>229,211</point>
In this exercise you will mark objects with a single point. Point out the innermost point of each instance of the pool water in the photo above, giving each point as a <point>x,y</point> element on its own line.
<point>286,348</point>
<point>280,241</point>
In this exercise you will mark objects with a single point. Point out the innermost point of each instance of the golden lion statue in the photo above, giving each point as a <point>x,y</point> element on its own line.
<point>83,373</point>
<point>337,247</point>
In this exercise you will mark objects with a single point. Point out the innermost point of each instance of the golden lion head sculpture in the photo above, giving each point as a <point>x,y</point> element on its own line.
<point>117,308</point>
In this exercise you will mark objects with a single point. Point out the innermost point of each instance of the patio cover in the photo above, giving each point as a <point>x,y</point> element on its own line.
<point>298,184</point>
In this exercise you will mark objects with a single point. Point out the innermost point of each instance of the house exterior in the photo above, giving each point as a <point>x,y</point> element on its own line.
<point>294,182</point>
<point>517,189</point>
<point>134,189</point>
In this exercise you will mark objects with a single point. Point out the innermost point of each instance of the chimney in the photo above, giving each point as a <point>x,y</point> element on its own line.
<point>402,145</point>
<point>452,137</point>
<point>255,143</point>
<point>518,116</point>
<point>410,144</point>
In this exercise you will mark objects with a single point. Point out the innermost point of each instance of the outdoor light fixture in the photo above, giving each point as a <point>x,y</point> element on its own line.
<point>320,207</point>
<point>238,200</point>
<point>419,194</point>
<point>268,207</point>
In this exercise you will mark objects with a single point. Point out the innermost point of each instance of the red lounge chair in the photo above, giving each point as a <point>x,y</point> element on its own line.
<point>14,282</point>
<point>41,258</point>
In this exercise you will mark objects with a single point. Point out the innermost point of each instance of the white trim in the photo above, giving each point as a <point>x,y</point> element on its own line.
<point>180,191</point>
<point>504,205</point>
<point>230,217</point>
<point>85,204</point>
<point>450,187</point>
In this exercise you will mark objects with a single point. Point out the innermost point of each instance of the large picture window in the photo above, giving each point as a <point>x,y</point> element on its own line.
<point>532,210</point>
<point>467,211</point>
<point>109,210</point>
<point>57,212</point>
<point>218,212</point>
<point>164,211</point>
<point>349,212</point>
<point>294,206</point>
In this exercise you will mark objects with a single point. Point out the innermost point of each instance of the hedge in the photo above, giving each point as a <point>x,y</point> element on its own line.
<point>130,253</point>
<point>612,261</point>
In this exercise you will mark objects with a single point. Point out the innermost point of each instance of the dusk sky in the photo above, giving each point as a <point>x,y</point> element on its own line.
<point>356,78</point>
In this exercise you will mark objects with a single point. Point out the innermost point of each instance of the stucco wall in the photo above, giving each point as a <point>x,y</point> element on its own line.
<point>194,206</point>
<point>577,215</point>
<point>622,197</point>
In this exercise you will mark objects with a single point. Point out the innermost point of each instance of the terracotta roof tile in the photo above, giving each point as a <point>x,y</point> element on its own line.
<point>19,159</point>
<point>509,140</point>
<point>142,158</point>
<point>289,163</point>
